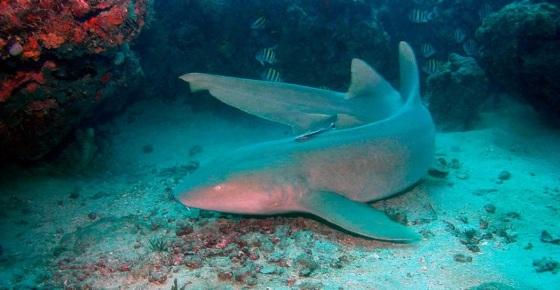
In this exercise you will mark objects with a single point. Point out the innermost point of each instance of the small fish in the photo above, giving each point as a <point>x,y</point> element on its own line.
<point>271,75</point>
<point>470,47</point>
<point>267,55</point>
<point>309,135</point>
<point>419,16</point>
<point>484,11</point>
<point>432,66</point>
<point>427,50</point>
<point>459,35</point>
<point>259,24</point>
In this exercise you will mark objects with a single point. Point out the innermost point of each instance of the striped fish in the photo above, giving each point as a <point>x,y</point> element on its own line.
<point>484,11</point>
<point>419,16</point>
<point>259,24</point>
<point>470,47</point>
<point>427,50</point>
<point>271,75</point>
<point>459,35</point>
<point>432,66</point>
<point>267,55</point>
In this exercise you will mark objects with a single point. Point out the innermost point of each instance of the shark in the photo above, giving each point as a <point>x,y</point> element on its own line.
<point>332,173</point>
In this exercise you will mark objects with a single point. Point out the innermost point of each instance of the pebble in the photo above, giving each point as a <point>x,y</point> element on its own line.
<point>504,175</point>
<point>546,237</point>
<point>490,208</point>
<point>462,258</point>
<point>439,169</point>
<point>183,230</point>
<point>157,276</point>
<point>491,286</point>
<point>546,264</point>
<point>74,194</point>
<point>92,215</point>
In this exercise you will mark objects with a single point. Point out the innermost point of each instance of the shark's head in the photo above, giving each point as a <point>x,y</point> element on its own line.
<point>217,186</point>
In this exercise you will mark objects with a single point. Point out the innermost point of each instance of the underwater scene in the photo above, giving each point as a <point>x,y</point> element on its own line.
<point>279,144</point>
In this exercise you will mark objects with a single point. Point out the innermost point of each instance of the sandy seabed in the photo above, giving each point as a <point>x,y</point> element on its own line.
<point>114,225</point>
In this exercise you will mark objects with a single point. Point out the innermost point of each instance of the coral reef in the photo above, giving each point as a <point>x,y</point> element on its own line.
<point>520,50</point>
<point>308,37</point>
<point>58,63</point>
<point>456,93</point>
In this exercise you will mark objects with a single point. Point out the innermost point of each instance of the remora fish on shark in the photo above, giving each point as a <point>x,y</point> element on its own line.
<point>332,174</point>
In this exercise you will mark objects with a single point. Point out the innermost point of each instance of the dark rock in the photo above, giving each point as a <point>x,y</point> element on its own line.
<point>491,286</point>
<point>456,93</point>
<point>490,208</point>
<point>225,275</point>
<point>245,273</point>
<point>193,262</point>
<point>462,258</point>
<point>308,285</point>
<point>520,50</point>
<point>157,275</point>
<point>440,168</point>
<point>512,215</point>
<point>75,194</point>
<point>397,215</point>
<point>307,265</point>
<point>546,264</point>
<point>504,175</point>
<point>183,230</point>
<point>92,216</point>
<point>546,237</point>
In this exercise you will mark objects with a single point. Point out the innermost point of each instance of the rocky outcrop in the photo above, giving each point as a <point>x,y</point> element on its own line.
<point>59,62</point>
<point>520,51</point>
<point>456,93</point>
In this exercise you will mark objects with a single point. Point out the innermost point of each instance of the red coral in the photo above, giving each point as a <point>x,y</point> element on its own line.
<point>54,23</point>
<point>105,78</point>
<point>21,78</point>
<point>43,105</point>
<point>79,8</point>
<point>51,40</point>
<point>31,49</point>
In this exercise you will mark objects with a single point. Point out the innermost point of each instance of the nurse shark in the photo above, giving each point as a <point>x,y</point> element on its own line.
<point>329,172</point>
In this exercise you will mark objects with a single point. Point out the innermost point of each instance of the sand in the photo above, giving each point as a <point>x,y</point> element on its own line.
<point>113,225</point>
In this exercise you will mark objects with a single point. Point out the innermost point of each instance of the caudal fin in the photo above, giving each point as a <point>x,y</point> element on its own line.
<point>357,217</point>
<point>410,84</point>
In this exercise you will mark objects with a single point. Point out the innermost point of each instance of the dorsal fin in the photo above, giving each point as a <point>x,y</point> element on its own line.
<point>365,81</point>
<point>410,85</point>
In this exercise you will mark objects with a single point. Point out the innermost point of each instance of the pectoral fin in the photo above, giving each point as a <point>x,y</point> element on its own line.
<point>356,217</point>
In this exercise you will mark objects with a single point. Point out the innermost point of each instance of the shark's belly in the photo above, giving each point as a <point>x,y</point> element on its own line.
<point>367,170</point>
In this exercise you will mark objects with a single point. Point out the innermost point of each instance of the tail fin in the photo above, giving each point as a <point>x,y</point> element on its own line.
<point>410,84</point>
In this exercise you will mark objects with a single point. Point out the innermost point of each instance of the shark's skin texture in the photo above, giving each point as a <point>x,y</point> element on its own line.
<point>277,102</point>
<point>331,174</point>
